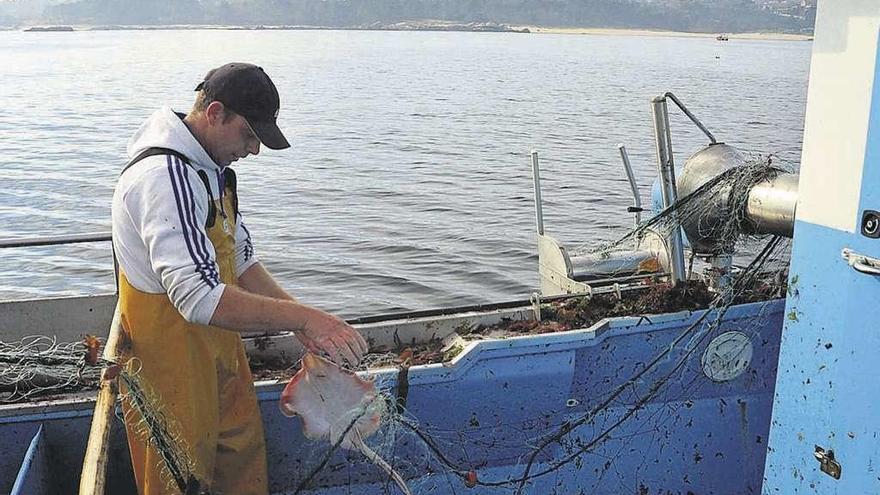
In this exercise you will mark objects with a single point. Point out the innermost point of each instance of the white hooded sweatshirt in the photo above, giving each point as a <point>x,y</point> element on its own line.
<point>160,207</point>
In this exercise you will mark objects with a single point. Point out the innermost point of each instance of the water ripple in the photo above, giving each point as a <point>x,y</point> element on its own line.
<point>409,184</point>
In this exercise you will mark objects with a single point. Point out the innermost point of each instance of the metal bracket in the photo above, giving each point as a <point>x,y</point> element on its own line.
<point>861,263</point>
<point>691,116</point>
<point>827,463</point>
<point>536,305</point>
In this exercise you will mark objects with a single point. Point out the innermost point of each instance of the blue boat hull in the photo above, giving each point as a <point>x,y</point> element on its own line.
<point>623,407</point>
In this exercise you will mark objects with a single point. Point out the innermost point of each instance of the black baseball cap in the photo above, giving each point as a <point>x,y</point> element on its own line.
<point>247,90</point>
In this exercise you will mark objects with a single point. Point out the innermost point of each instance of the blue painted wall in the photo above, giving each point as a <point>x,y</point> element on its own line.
<point>828,387</point>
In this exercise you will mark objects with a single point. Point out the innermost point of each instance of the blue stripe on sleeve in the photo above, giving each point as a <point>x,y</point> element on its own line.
<point>199,239</point>
<point>180,199</point>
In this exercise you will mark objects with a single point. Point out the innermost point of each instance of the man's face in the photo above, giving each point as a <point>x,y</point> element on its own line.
<point>232,138</point>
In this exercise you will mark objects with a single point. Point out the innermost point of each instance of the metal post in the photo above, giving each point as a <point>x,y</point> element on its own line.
<point>536,175</point>
<point>632,182</point>
<point>663,137</point>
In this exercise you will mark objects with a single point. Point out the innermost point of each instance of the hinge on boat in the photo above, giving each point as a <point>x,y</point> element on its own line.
<point>827,463</point>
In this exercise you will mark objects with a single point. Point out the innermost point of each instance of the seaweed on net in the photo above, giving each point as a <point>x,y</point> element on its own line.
<point>692,337</point>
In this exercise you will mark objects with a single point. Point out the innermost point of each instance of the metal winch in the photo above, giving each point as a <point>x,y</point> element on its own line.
<point>763,203</point>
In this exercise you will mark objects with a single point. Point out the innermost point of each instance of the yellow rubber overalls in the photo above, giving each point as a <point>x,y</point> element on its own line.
<point>200,376</point>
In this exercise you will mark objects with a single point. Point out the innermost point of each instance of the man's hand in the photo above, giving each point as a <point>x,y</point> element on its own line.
<point>331,335</point>
<point>318,331</point>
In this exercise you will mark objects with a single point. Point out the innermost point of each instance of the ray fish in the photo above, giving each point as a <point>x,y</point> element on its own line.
<point>337,405</point>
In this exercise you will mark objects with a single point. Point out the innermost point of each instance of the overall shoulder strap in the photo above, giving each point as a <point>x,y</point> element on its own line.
<point>232,182</point>
<point>202,175</point>
<point>155,151</point>
<point>212,208</point>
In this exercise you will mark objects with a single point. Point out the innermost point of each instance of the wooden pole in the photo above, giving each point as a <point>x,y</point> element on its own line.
<point>94,470</point>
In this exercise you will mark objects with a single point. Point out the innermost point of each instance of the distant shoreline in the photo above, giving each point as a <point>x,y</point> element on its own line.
<point>430,26</point>
<point>670,34</point>
<point>479,27</point>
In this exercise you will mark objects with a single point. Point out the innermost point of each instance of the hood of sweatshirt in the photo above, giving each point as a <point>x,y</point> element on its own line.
<point>166,129</point>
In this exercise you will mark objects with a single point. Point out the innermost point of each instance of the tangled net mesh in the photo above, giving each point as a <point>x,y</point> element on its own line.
<point>39,365</point>
<point>717,208</point>
<point>159,430</point>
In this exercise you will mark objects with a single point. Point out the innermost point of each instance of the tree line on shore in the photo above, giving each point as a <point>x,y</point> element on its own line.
<point>676,15</point>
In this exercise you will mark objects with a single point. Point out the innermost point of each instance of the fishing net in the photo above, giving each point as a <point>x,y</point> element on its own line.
<point>39,365</point>
<point>159,430</point>
<point>716,210</point>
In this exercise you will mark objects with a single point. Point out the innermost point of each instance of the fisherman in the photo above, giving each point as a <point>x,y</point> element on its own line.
<point>189,282</point>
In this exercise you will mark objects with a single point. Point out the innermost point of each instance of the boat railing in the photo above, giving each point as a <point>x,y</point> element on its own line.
<point>54,240</point>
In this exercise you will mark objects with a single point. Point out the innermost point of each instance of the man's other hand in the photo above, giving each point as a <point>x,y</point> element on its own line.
<point>331,335</point>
